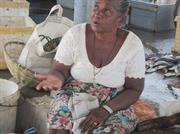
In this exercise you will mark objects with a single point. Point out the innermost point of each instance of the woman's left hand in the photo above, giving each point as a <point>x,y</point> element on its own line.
<point>94,118</point>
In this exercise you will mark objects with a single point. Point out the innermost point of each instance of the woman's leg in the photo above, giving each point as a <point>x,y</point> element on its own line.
<point>58,131</point>
<point>59,115</point>
<point>122,122</point>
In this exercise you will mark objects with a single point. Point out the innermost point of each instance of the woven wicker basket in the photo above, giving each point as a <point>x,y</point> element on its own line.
<point>3,65</point>
<point>12,51</point>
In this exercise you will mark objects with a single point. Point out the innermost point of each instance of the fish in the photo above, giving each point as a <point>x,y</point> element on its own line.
<point>163,63</point>
<point>170,60</point>
<point>177,70</point>
<point>178,74</point>
<point>161,67</point>
<point>151,70</point>
<point>169,74</point>
<point>150,63</point>
<point>168,64</point>
<point>165,70</point>
<point>174,67</point>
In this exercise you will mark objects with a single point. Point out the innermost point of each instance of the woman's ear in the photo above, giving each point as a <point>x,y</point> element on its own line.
<point>121,20</point>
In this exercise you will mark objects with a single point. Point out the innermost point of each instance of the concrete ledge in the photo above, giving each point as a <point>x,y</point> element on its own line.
<point>32,112</point>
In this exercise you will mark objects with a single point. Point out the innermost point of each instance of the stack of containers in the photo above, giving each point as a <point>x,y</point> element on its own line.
<point>15,24</point>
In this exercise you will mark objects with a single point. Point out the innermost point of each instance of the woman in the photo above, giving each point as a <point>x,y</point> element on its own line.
<point>104,61</point>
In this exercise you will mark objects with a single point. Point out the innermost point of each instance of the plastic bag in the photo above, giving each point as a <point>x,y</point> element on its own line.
<point>40,49</point>
<point>144,111</point>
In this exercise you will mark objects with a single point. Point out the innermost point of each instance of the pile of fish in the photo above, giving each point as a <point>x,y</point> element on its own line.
<point>168,64</point>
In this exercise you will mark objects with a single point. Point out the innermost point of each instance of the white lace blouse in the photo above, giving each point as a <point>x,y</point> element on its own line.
<point>129,61</point>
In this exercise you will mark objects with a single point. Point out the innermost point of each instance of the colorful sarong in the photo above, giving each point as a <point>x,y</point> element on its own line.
<point>60,116</point>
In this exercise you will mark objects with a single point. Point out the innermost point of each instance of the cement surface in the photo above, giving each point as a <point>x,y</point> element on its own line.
<point>32,110</point>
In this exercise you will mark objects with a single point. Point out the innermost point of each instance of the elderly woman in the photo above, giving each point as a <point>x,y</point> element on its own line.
<point>102,60</point>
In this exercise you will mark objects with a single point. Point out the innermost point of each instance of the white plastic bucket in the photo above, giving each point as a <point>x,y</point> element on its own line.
<point>9,94</point>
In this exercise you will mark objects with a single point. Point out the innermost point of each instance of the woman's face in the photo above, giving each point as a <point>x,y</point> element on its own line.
<point>104,16</point>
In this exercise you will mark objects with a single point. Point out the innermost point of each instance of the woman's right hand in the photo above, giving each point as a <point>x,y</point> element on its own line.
<point>48,82</point>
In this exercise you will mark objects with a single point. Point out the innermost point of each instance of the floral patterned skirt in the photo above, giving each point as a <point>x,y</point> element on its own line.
<point>60,117</point>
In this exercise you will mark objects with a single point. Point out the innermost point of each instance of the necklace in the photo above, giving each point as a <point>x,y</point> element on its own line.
<point>95,73</point>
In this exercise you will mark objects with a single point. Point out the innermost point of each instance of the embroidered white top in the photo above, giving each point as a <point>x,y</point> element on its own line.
<point>129,61</point>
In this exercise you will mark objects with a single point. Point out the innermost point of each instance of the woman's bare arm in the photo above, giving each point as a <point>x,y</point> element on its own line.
<point>60,70</point>
<point>132,90</point>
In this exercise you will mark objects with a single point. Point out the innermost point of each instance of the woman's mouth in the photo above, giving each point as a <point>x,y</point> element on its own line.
<point>96,23</point>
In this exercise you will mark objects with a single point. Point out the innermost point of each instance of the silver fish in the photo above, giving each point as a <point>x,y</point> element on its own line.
<point>150,63</point>
<point>163,63</point>
<point>169,74</point>
<point>151,70</point>
<point>174,67</point>
<point>167,59</point>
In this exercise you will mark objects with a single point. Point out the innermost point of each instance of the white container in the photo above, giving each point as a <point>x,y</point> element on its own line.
<point>14,7</point>
<point>9,95</point>
<point>14,28</point>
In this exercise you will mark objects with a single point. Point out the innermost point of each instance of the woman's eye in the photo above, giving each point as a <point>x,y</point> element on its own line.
<point>107,12</point>
<point>95,7</point>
